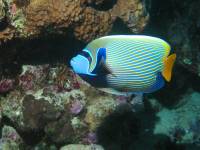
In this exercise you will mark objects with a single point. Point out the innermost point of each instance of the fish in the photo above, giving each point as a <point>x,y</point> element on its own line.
<point>125,64</point>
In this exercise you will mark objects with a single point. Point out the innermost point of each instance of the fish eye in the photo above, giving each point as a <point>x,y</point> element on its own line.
<point>86,55</point>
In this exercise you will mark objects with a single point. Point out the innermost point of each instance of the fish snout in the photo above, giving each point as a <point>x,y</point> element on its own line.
<point>79,64</point>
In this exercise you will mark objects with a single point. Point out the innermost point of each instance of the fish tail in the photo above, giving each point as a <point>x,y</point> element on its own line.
<point>168,66</point>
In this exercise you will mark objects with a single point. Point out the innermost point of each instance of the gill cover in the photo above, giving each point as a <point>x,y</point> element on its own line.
<point>80,65</point>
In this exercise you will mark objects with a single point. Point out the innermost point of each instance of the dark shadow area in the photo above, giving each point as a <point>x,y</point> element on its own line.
<point>127,130</point>
<point>3,24</point>
<point>104,6</point>
<point>31,138</point>
<point>161,13</point>
<point>119,130</point>
<point>47,50</point>
<point>51,50</point>
<point>172,92</point>
<point>119,27</point>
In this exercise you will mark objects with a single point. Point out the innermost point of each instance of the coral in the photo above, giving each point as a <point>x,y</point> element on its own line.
<point>31,76</point>
<point>96,112</point>
<point>6,85</point>
<point>121,99</point>
<point>60,131</point>
<point>76,107</point>
<point>44,146</point>
<point>2,10</point>
<point>6,35</point>
<point>56,104</point>
<point>1,116</point>
<point>81,147</point>
<point>36,17</point>
<point>11,106</point>
<point>90,138</point>
<point>133,13</point>
<point>36,113</point>
<point>10,139</point>
<point>17,18</point>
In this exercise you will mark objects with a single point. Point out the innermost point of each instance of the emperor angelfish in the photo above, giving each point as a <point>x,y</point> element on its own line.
<point>125,64</point>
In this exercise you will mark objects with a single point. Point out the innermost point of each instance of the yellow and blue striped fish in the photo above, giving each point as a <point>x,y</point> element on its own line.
<point>124,64</point>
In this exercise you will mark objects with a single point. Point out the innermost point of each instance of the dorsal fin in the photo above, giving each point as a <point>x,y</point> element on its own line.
<point>168,66</point>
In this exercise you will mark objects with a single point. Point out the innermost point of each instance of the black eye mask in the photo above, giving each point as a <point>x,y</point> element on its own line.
<point>86,55</point>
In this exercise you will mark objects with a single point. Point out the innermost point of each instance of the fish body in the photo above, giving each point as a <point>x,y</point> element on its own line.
<point>123,64</point>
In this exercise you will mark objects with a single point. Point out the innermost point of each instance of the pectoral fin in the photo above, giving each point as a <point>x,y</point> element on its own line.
<point>168,66</point>
<point>104,69</point>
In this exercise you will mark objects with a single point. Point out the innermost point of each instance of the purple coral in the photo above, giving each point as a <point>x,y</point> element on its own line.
<point>76,107</point>
<point>75,83</point>
<point>91,138</point>
<point>6,85</point>
<point>26,81</point>
<point>121,99</point>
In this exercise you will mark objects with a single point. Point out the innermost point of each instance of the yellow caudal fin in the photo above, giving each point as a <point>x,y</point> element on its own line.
<point>168,66</point>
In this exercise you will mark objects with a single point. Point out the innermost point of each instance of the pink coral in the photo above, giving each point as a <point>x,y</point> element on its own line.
<point>76,107</point>
<point>13,9</point>
<point>26,81</point>
<point>6,85</point>
<point>91,138</point>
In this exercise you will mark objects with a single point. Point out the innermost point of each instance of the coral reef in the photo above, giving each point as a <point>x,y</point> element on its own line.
<point>56,103</point>
<point>10,139</point>
<point>41,17</point>
<point>2,10</point>
<point>6,85</point>
<point>45,105</point>
<point>81,147</point>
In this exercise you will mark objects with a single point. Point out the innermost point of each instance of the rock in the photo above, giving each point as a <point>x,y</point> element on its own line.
<point>97,111</point>
<point>44,146</point>
<point>2,10</point>
<point>56,104</point>
<point>6,85</point>
<point>31,19</point>
<point>133,13</point>
<point>61,131</point>
<point>10,139</point>
<point>37,113</point>
<point>182,123</point>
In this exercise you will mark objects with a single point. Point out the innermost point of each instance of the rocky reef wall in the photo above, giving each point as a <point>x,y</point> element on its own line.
<point>34,18</point>
<point>45,105</point>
